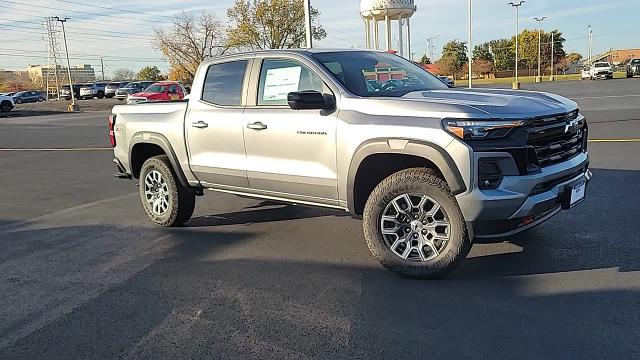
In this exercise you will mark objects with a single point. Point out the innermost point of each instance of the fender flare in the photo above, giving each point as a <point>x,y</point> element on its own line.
<point>420,148</point>
<point>145,137</point>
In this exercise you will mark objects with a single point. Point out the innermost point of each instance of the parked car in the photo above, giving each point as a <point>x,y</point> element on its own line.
<point>427,169</point>
<point>585,73</point>
<point>160,91</point>
<point>447,81</point>
<point>65,91</point>
<point>90,91</point>
<point>6,103</point>
<point>110,88</point>
<point>601,70</point>
<point>132,88</point>
<point>29,97</point>
<point>633,67</point>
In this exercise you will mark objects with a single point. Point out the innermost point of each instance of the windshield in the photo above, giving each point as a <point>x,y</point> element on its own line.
<point>367,73</point>
<point>635,61</point>
<point>601,65</point>
<point>156,89</point>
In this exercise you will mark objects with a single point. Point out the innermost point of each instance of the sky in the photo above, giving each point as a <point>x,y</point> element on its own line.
<point>123,39</point>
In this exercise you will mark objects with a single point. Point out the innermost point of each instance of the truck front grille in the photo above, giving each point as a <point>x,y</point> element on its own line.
<point>560,139</point>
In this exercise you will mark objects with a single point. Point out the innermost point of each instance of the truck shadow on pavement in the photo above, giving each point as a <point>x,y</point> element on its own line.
<point>263,212</point>
<point>569,290</point>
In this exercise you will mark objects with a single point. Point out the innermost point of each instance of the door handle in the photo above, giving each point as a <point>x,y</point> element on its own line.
<point>257,126</point>
<point>200,124</point>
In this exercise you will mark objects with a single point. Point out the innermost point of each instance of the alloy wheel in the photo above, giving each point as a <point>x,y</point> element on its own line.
<point>415,227</point>
<point>156,192</point>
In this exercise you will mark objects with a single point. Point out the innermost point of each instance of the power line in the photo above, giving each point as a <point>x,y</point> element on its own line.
<point>77,28</point>
<point>30,12</point>
<point>73,11</point>
<point>115,9</point>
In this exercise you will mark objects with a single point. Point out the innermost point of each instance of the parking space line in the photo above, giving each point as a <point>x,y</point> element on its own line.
<point>606,97</point>
<point>614,140</point>
<point>61,149</point>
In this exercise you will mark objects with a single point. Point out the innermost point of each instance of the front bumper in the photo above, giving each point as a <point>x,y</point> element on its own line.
<point>521,202</point>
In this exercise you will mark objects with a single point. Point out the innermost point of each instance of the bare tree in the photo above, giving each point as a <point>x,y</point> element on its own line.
<point>191,40</point>
<point>123,74</point>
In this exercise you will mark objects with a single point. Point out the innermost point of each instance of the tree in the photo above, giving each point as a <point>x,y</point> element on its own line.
<point>454,57</point>
<point>483,52</point>
<point>565,62</point>
<point>189,41</point>
<point>150,73</point>
<point>270,24</point>
<point>482,67</point>
<point>503,53</point>
<point>123,74</point>
<point>528,48</point>
<point>424,60</point>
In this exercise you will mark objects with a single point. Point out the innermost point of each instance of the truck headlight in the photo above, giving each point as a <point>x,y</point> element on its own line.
<point>480,129</point>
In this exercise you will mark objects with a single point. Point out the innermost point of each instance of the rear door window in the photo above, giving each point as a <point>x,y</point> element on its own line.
<point>223,83</point>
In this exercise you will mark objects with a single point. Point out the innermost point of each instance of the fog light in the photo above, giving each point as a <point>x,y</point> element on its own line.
<point>489,174</point>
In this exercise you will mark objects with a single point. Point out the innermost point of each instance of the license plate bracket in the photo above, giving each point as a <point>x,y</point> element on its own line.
<point>574,194</point>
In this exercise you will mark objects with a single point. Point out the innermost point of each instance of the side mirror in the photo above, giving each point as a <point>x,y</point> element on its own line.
<point>310,100</point>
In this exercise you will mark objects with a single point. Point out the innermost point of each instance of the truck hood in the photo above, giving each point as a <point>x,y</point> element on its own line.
<point>498,103</point>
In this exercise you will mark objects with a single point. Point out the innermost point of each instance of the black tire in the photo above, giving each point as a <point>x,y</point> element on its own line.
<point>422,181</point>
<point>41,99</point>
<point>181,199</point>
<point>18,101</point>
<point>6,106</point>
<point>100,94</point>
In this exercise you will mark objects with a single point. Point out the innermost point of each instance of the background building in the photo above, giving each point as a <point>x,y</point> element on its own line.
<point>79,73</point>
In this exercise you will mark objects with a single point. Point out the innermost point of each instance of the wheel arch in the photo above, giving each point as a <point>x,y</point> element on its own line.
<point>376,159</point>
<point>145,145</point>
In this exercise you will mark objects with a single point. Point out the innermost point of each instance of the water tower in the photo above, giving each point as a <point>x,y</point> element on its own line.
<point>374,11</point>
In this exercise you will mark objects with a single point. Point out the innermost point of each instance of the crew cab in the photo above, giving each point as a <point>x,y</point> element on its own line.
<point>601,70</point>
<point>632,67</point>
<point>427,168</point>
<point>160,91</point>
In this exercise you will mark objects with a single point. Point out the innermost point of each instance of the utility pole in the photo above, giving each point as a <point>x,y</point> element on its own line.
<point>430,46</point>
<point>516,84</point>
<point>72,106</point>
<point>539,20</point>
<point>307,23</point>
<point>589,44</point>
<point>552,57</point>
<point>470,45</point>
<point>102,67</point>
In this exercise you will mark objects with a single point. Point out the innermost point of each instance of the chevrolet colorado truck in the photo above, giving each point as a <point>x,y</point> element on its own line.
<point>427,168</point>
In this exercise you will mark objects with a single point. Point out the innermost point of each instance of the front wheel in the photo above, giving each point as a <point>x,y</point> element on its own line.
<point>412,225</point>
<point>166,201</point>
<point>5,106</point>
<point>18,101</point>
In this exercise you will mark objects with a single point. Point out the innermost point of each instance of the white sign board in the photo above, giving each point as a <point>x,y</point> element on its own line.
<point>280,82</point>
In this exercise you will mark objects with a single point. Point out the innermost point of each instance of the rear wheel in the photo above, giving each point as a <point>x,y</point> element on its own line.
<point>18,101</point>
<point>166,201</point>
<point>41,99</point>
<point>413,225</point>
<point>100,94</point>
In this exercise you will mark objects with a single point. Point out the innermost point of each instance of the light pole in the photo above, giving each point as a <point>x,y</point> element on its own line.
<point>539,20</point>
<point>516,84</point>
<point>307,23</point>
<point>470,45</point>
<point>72,106</point>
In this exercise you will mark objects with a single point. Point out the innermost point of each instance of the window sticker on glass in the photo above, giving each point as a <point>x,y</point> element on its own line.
<point>280,82</point>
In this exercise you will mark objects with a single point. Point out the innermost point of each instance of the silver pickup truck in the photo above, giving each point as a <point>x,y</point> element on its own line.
<point>428,168</point>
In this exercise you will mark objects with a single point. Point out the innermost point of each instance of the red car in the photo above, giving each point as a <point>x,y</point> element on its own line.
<point>160,91</point>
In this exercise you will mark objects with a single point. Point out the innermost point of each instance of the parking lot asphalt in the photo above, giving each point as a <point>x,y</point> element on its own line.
<point>83,275</point>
